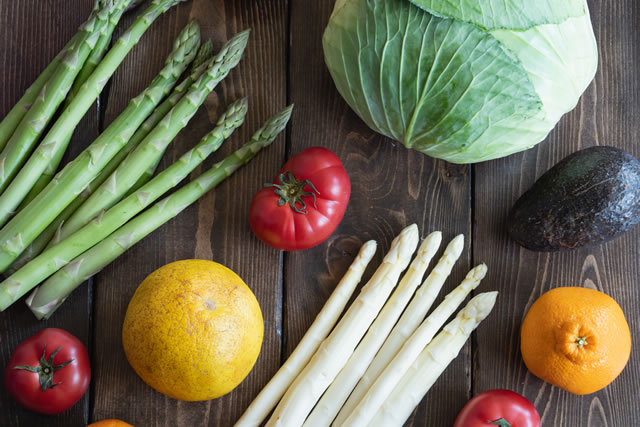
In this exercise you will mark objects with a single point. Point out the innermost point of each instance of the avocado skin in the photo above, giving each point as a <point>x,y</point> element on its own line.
<point>590,197</point>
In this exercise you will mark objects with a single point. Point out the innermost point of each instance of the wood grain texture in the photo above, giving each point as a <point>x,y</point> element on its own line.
<point>29,41</point>
<point>216,228</point>
<point>607,114</point>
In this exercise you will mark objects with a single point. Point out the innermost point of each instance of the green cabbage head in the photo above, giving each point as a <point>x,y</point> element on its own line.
<point>461,80</point>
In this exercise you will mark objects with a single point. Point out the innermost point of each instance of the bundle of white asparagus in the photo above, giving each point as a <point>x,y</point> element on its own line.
<point>378,362</point>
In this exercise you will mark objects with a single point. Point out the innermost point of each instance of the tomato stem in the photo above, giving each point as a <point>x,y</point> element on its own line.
<point>501,422</point>
<point>46,369</point>
<point>291,191</point>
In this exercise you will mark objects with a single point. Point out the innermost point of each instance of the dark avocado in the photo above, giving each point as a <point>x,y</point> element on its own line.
<point>590,197</point>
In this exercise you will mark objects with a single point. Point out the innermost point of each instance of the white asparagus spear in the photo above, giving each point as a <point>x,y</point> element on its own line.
<point>318,331</point>
<point>339,390</point>
<point>410,320</point>
<point>336,349</point>
<point>389,378</point>
<point>433,360</point>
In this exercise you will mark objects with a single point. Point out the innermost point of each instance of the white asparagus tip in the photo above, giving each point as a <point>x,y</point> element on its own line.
<point>368,249</point>
<point>403,246</point>
<point>481,305</point>
<point>456,245</point>
<point>430,243</point>
<point>435,235</point>
<point>477,273</point>
<point>411,229</point>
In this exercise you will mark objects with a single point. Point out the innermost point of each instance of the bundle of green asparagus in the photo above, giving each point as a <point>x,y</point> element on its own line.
<point>65,228</point>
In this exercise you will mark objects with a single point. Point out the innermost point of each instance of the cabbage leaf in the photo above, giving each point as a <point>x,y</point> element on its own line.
<point>505,14</point>
<point>425,80</point>
<point>451,89</point>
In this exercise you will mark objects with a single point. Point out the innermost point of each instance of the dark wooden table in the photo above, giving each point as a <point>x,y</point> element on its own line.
<point>392,187</point>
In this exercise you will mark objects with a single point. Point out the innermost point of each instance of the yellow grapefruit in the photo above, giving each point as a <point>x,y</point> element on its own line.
<point>193,330</point>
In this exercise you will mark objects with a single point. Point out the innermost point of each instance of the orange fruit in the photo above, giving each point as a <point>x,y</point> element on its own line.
<point>110,423</point>
<point>576,338</point>
<point>193,330</point>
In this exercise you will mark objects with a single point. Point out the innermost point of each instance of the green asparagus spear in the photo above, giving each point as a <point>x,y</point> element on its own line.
<point>98,52</point>
<point>54,233</point>
<point>51,235</point>
<point>87,69</point>
<point>58,255</point>
<point>57,137</point>
<point>27,224</point>
<point>48,236</point>
<point>205,53</point>
<point>133,4</point>
<point>26,135</point>
<point>14,117</point>
<point>52,293</point>
<point>146,176</point>
<point>199,66</point>
<point>154,144</point>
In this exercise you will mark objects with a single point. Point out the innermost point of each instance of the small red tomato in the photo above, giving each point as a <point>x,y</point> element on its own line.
<point>502,408</point>
<point>49,372</point>
<point>305,203</point>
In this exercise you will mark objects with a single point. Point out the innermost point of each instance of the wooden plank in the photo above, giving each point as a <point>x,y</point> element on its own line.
<point>606,115</point>
<point>392,187</point>
<point>31,34</point>
<point>216,228</point>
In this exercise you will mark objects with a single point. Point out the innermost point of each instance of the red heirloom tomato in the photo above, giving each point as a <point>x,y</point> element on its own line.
<point>49,372</point>
<point>502,408</point>
<point>305,203</point>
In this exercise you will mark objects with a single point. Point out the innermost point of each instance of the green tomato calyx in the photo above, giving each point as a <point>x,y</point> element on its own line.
<point>46,369</point>
<point>291,192</point>
<point>501,422</point>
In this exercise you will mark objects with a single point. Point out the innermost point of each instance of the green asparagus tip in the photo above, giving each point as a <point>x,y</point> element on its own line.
<point>186,44</point>
<point>105,3</point>
<point>168,3</point>
<point>229,56</point>
<point>274,125</point>
<point>105,9</point>
<point>230,120</point>
<point>193,27</point>
<point>237,43</point>
<point>235,112</point>
<point>190,35</point>
<point>204,54</point>
<point>243,34</point>
<point>132,4</point>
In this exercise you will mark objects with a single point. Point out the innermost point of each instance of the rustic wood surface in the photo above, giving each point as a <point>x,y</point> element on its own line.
<point>392,187</point>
